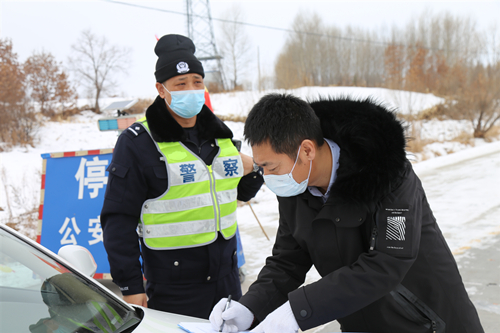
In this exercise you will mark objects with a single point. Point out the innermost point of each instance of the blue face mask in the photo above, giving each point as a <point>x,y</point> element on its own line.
<point>285,185</point>
<point>186,103</point>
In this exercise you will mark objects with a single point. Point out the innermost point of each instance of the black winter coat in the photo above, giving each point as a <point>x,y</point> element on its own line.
<point>136,173</point>
<point>384,262</point>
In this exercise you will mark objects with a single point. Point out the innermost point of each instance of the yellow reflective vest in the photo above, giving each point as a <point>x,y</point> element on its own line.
<point>200,199</point>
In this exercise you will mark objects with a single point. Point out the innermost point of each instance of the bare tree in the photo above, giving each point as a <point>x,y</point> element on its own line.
<point>234,45</point>
<point>18,123</point>
<point>318,55</point>
<point>394,65</point>
<point>479,100</point>
<point>430,53</point>
<point>299,64</point>
<point>96,63</point>
<point>48,84</point>
<point>443,54</point>
<point>12,77</point>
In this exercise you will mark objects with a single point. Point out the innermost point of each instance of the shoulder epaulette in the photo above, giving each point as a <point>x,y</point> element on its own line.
<point>136,129</point>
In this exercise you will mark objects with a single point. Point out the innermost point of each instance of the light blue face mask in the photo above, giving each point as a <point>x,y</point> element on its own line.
<point>186,103</point>
<point>285,185</point>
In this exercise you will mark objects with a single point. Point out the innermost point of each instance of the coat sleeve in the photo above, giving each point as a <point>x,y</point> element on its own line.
<point>375,273</point>
<point>125,193</point>
<point>283,272</point>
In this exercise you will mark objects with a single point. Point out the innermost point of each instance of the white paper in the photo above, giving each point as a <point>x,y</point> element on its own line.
<point>194,327</point>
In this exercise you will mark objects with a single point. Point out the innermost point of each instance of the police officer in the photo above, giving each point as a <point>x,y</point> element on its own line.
<point>174,182</point>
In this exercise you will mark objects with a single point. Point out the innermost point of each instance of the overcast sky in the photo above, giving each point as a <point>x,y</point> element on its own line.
<point>53,26</point>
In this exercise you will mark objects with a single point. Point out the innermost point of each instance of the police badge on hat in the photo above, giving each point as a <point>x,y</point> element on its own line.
<point>176,57</point>
<point>182,67</point>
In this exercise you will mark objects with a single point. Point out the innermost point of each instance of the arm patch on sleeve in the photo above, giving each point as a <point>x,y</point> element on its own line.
<point>395,231</point>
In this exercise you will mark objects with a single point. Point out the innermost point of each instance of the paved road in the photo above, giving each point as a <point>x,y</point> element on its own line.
<point>477,246</point>
<point>480,269</point>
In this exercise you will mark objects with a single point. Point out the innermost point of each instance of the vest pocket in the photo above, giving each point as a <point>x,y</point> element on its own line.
<point>417,311</point>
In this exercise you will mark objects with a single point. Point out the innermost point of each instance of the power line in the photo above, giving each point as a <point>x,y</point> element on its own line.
<point>185,14</point>
<point>350,39</point>
<point>246,23</point>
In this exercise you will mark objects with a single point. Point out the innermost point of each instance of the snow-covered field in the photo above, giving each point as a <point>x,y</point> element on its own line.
<point>443,137</point>
<point>20,168</point>
<point>239,103</point>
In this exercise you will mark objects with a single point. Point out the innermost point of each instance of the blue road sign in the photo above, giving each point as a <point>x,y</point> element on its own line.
<point>75,184</point>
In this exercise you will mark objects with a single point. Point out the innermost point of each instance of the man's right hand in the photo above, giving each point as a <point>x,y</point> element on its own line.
<point>238,317</point>
<point>137,299</point>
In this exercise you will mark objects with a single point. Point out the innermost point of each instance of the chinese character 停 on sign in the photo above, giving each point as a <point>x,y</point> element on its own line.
<point>95,177</point>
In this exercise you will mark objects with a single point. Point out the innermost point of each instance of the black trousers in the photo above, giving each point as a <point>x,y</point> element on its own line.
<point>193,299</point>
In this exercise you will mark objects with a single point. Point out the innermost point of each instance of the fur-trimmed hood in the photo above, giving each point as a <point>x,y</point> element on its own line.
<point>372,147</point>
<point>164,128</point>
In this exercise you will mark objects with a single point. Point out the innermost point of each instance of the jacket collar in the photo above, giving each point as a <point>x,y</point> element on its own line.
<point>372,147</point>
<point>164,128</point>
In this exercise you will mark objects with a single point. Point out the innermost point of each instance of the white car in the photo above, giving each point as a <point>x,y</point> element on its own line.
<point>42,292</point>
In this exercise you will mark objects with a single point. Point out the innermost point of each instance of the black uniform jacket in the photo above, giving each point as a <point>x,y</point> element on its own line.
<point>384,263</point>
<point>137,173</point>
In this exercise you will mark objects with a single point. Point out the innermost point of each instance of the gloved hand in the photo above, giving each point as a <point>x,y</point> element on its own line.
<point>280,320</point>
<point>237,317</point>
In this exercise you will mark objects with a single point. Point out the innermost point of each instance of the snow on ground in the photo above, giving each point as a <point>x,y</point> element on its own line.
<point>449,135</point>
<point>20,168</point>
<point>463,190</point>
<point>443,130</point>
<point>406,102</point>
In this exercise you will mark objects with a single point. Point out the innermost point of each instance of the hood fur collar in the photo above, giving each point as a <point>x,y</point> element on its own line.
<point>372,147</point>
<point>164,128</point>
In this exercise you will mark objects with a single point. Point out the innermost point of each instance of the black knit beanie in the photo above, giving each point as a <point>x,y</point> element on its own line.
<point>176,57</point>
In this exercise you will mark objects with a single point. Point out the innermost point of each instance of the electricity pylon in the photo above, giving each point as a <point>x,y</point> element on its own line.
<point>201,31</point>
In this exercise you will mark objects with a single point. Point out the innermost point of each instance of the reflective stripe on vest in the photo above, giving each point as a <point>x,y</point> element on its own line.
<point>199,201</point>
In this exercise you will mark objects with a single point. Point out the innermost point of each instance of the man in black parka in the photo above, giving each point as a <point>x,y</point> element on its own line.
<point>187,279</point>
<point>351,205</point>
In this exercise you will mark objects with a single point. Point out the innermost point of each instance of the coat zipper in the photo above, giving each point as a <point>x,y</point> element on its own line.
<point>199,147</point>
<point>214,196</point>
<point>373,238</point>
<point>417,310</point>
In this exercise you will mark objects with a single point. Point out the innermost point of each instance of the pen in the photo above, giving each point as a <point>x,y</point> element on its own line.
<point>227,307</point>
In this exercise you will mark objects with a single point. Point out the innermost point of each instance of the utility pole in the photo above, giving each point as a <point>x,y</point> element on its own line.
<point>201,31</point>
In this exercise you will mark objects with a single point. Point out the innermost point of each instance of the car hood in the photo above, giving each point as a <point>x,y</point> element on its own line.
<point>162,322</point>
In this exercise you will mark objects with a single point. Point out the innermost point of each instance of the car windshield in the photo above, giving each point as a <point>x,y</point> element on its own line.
<point>39,294</point>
